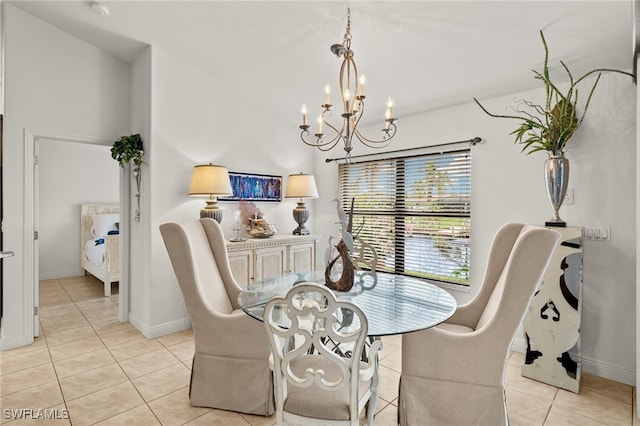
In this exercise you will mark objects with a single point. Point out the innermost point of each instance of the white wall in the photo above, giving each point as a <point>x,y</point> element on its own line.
<point>508,186</point>
<point>133,244</point>
<point>54,83</point>
<point>197,119</point>
<point>70,174</point>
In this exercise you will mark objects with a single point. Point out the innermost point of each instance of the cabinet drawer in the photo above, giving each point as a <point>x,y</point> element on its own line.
<point>241,263</point>
<point>270,261</point>
<point>302,257</point>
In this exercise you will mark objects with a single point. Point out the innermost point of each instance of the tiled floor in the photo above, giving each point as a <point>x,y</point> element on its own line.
<point>94,370</point>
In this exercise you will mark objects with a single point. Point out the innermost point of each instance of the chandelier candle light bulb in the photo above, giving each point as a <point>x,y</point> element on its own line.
<point>347,100</point>
<point>304,114</point>
<point>362,81</point>
<point>327,93</point>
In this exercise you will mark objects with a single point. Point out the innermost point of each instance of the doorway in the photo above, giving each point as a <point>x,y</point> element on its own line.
<point>56,155</point>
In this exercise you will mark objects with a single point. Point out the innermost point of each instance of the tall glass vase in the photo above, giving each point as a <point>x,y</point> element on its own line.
<point>556,177</point>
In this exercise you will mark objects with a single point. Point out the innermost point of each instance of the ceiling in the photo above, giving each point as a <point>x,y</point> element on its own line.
<point>425,54</point>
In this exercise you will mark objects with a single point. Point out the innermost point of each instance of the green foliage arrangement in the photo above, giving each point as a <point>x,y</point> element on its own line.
<point>549,127</point>
<point>128,149</point>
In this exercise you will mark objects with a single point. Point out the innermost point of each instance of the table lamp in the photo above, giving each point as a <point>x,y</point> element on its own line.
<point>212,181</point>
<point>301,186</point>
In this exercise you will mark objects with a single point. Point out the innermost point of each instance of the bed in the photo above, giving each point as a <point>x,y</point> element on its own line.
<point>100,242</point>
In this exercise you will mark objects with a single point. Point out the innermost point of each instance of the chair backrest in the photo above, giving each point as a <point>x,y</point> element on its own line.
<point>520,274</point>
<point>304,327</point>
<point>196,268</point>
<point>219,249</point>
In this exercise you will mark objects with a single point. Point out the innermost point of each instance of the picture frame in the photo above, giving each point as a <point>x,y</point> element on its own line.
<point>254,187</point>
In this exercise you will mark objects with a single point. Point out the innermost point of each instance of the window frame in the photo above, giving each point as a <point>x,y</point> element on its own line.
<point>456,243</point>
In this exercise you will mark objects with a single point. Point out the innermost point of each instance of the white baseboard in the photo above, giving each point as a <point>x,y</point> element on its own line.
<point>608,371</point>
<point>592,366</point>
<point>151,332</point>
<point>13,342</point>
<point>61,274</point>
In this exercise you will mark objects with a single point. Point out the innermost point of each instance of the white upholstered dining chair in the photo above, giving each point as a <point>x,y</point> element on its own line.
<point>453,373</point>
<point>314,384</point>
<point>230,368</point>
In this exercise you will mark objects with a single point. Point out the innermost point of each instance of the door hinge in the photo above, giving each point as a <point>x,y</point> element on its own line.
<point>35,235</point>
<point>36,160</point>
<point>35,311</point>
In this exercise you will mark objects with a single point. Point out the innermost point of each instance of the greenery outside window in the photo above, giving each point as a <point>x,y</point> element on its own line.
<point>415,211</point>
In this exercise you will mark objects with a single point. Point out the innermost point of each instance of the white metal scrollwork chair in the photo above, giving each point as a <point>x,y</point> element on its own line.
<point>453,373</point>
<point>313,384</point>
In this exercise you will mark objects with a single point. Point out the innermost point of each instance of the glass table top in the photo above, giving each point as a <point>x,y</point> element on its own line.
<point>393,304</point>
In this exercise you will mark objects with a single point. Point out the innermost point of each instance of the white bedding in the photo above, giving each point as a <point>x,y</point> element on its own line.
<point>94,253</point>
<point>102,224</point>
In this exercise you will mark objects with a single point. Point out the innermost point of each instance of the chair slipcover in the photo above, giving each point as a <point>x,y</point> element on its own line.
<point>453,374</point>
<point>230,368</point>
<point>314,384</point>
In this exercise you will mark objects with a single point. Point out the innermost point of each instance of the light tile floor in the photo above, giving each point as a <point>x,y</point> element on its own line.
<point>91,368</point>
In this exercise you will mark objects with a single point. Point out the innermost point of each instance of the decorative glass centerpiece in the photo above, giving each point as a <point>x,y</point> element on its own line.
<point>236,227</point>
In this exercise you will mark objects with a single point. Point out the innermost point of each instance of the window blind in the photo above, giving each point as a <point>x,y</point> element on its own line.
<point>415,211</point>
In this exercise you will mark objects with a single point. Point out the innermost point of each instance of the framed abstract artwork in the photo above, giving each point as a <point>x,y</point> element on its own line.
<point>254,187</point>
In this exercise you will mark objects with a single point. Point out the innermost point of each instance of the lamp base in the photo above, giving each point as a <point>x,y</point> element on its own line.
<point>556,223</point>
<point>301,230</point>
<point>212,211</point>
<point>301,215</point>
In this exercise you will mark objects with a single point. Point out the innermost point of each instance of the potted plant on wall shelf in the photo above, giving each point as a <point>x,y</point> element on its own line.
<point>129,149</point>
<point>549,127</point>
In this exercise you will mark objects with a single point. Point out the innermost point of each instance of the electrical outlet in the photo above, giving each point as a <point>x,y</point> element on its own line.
<point>599,233</point>
<point>568,197</point>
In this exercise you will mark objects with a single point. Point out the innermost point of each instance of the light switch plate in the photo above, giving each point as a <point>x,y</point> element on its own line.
<point>597,233</point>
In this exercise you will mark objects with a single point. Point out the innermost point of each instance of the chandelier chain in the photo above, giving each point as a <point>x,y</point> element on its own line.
<point>347,34</point>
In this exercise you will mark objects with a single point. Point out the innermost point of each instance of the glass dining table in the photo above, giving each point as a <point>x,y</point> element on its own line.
<point>393,304</point>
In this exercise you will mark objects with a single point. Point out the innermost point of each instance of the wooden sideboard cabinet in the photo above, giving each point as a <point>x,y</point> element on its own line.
<point>254,259</point>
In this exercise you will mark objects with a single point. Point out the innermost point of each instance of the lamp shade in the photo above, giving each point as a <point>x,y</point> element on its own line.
<point>301,186</point>
<point>210,180</point>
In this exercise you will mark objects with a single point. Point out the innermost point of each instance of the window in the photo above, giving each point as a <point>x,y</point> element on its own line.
<point>415,211</point>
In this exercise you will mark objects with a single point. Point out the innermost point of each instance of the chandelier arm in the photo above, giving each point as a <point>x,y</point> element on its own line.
<point>390,132</point>
<point>370,143</point>
<point>339,133</point>
<point>328,148</point>
<point>318,142</point>
<point>337,138</point>
<point>346,64</point>
<point>360,100</point>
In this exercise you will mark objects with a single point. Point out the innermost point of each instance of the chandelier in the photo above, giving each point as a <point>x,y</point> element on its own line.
<point>352,95</point>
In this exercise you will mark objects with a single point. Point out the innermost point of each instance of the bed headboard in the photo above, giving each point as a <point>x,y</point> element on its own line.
<point>86,210</point>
